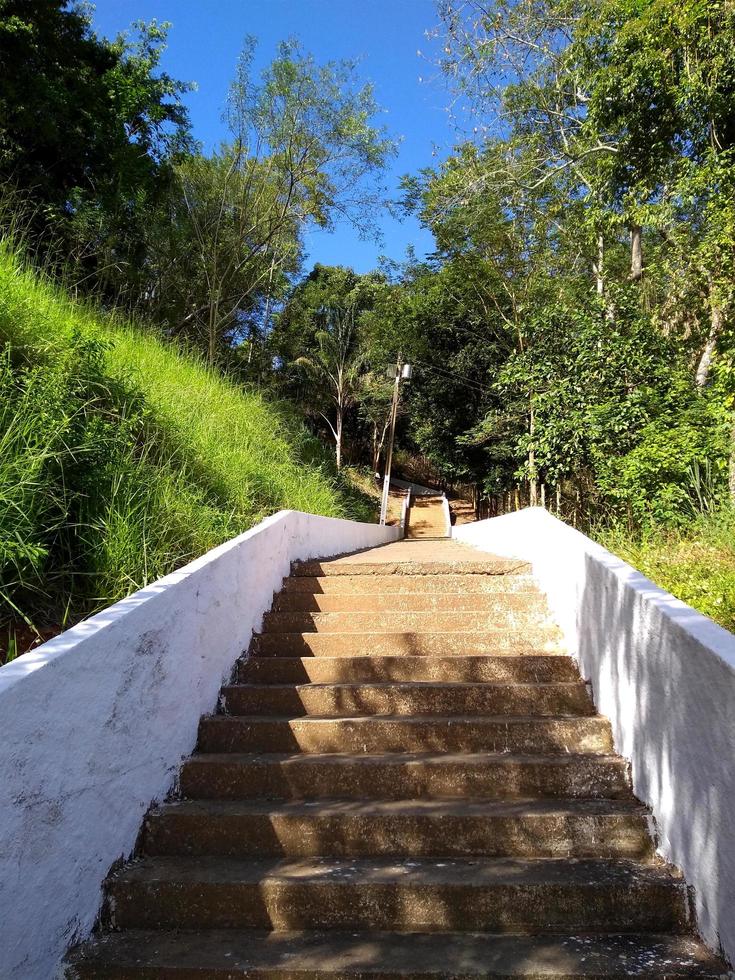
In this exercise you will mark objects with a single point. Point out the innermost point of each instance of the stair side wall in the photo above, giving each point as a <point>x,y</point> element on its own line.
<point>665,677</point>
<point>94,724</point>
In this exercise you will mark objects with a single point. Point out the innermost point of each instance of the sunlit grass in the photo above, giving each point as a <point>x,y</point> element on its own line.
<point>696,564</point>
<point>124,457</point>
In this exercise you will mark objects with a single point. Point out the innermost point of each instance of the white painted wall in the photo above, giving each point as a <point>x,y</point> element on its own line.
<point>94,725</point>
<point>665,676</point>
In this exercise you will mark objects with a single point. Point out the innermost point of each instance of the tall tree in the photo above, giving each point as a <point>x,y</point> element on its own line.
<point>87,130</point>
<point>302,151</point>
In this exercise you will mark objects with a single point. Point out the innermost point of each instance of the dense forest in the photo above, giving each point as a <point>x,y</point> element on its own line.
<point>571,333</point>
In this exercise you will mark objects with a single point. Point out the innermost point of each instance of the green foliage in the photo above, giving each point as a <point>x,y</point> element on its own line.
<point>329,356</point>
<point>87,130</point>
<point>122,458</point>
<point>695,563</point>
<point>613,400</point>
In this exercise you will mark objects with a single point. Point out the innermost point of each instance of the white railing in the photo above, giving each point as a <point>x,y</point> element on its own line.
<point>665,677</point>
<point>447,516</point>
<point>94,724</point>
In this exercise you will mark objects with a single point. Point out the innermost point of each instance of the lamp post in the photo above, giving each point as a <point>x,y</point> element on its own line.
<point>402,373</point>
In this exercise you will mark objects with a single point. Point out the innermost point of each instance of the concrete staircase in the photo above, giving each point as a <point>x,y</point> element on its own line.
<point>463,511</point>
<point>406,778</point>
<point>427,518</point>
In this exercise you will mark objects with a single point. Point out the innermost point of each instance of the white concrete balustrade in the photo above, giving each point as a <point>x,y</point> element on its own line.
<point>665,676</point>
<point>94,725</point>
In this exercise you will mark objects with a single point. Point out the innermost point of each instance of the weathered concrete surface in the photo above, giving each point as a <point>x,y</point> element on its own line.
<point>408,698</point>
<point>405,621</point>
<point>494,895</point>
<point>402,828</point>
<point>439,557</point>
<point>529,669</point>
<point>428,517</point>
<point>500,733</point>
<point>527,603</point>
<point>665,676</point>
<point>231,955</point>
<point>514,642</point>
<point>93,725</point>
<point>405,775</point>
<point>452,584</point>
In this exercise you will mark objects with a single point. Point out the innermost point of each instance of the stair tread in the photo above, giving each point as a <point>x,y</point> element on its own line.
<point>233,953</point>
<point>413,719</point>
<point>340,566</point>
<point>403,758</point>
<point>403,685</point>
<point>486,631</point>
<point>406,668</point>
<point>421,807</point>
<point>406,620</point>
<point>378,657</point>
<point>450,720</point>
<point>474,872</point>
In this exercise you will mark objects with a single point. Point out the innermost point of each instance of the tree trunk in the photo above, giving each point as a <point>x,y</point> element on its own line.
<point>378,443</point>
<point>598,267</point>
<point>705,361</point>
<point>338,438</point>
<point>376,449</point>
<point>636,253</point>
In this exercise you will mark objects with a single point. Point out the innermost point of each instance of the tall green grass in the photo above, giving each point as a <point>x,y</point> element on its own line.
<point>696,563</point>
<point>122,457</point>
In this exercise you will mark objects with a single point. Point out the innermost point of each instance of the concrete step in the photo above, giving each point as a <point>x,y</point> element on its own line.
<point>469,643</point>
<point>405,621</point>
<point>408,698</point>
<point>236,955</point>
<point>337,670</point>
<point>410,828</point>
<point>490,565</point>
<point>419,895</point>
<point>399,776</point>
<point>489,603</point>
<point>232,733</point>
<point>384,584</point>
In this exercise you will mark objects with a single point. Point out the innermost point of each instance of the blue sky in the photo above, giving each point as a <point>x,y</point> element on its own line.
<point>207,35</point>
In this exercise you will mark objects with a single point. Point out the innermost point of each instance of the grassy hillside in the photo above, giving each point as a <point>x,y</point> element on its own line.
<point>121,458</point>
<point>696,563</point>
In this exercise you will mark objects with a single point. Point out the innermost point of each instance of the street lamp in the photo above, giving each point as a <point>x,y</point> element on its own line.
<point>401,372</point>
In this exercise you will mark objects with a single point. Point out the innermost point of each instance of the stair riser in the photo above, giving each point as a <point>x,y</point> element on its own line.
<point>434,571</point>
<point>396,956</point>
<point>353,904</point>
<point>337,702</point>
<point>494,643</point>
<point>309,778</point>
<point>490,604</point>
<point>388,621</point>
<point>233,734</point>
<point>461,585</point>
<point>457,670</point>
<point>345,835</point>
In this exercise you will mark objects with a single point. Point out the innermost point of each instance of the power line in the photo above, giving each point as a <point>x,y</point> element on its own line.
<point>468,382</point>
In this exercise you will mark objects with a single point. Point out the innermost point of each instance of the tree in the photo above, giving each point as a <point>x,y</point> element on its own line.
<point>325,334</point>
<point>336,363</point>
<point>301,151</point>
<point>87,131</point>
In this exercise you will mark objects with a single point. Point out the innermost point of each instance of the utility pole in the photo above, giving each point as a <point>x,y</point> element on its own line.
<point>402,372</point>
